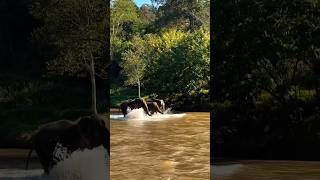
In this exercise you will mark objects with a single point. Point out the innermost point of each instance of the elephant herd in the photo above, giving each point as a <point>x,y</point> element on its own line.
<point>55,141</point>
<point>150,106</point>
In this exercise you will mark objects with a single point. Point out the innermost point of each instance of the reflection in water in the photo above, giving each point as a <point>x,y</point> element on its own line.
<point>266,170</point>
<point>161,147</point>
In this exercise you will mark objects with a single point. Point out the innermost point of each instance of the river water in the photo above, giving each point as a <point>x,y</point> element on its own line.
<point>266,170</point>
<point>168,147</point>
<point>80,165</point>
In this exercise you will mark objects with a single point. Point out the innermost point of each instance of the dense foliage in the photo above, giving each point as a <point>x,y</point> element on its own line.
<point>46,48</point>
<point>266,78</point>
<point>169,56</point>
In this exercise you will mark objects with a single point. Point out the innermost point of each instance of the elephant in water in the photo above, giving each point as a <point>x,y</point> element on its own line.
<point>159,102</point>
<point>134,104</point>
<point>153,107</point>
<point>54,141</point>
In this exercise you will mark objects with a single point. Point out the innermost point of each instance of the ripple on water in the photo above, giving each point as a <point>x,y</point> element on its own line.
<point>169,148</point>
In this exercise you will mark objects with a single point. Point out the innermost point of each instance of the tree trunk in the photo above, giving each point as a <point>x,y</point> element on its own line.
<point>139,88</point>
<point>93,87</point>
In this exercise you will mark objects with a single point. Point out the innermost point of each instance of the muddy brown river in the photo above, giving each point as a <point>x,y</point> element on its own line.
<point>170,147</point>
<point>162,147</point>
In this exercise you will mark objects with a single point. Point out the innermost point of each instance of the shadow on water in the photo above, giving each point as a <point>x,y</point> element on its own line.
<point>265,170</point>
<point>19,174</point>
<point>12,165</point>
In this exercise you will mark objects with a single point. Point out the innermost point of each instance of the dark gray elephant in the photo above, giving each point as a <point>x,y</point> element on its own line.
<point>85,133</point>
<point>159,102</point>
<point>134,104</point>
<point>153,108</point>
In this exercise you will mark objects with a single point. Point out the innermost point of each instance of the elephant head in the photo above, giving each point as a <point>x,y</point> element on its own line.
<point>134,104</point>
<point>85,133</point>
<point>159,102</point>
<point>89,132</point>
<point>153,107</point>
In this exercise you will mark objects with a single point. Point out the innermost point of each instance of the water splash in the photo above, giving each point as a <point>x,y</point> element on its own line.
<point>80,165</point>
<point>139,114</point>
<point>84,165</point>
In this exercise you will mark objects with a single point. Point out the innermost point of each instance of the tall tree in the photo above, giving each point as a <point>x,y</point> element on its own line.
<point>134,63</point>
<point>78,30</point>
<point>122,13</point>
<point>185,14</point>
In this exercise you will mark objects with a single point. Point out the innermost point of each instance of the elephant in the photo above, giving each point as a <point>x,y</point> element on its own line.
<point>85,133</point>
<point>153,107</point>
<point>159,102</point>
<point>134,104</point>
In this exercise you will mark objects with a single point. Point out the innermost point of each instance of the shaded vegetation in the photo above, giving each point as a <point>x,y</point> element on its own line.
<point>41,79</point>
<point>266,79</point>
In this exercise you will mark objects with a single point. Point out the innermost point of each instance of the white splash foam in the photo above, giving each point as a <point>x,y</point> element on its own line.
<point>139,114</point>
<point>116,117</point>
<point>84,165</point>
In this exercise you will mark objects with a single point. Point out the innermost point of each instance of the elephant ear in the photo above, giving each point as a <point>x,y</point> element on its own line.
<point>93,132</point>
<point>86,131</point>
<point>85,125</point>
<point>105,132</point>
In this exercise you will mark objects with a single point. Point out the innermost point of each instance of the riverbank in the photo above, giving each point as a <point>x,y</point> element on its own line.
<point>12,158</point>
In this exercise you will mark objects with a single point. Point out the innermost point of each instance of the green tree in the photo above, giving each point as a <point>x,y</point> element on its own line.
<point>266,56</point>
<point>264,46</point>
<point>125,22</point>
<point>134,64</point>
<point>78,31</point>
<point>183,14</point>
<point>147,13</point>
<point>123,12</point>
<point>181,64</point>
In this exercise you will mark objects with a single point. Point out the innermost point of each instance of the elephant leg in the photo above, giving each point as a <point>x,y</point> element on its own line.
<point>142,103</point>
<point>123,108</point>
<point>44,160</point>
<point>157,109</point>
<point>124,112</point>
